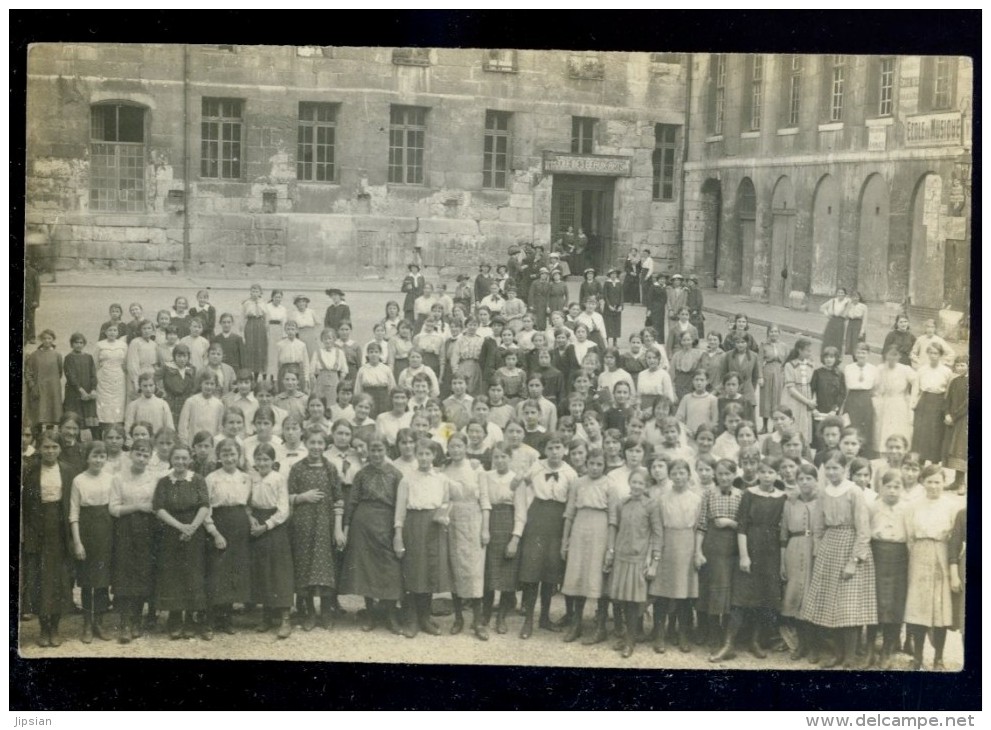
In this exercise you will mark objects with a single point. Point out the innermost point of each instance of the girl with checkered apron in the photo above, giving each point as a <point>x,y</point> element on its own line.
<point>842,595</point>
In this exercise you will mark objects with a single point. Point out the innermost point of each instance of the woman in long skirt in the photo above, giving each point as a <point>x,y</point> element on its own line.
<point>796,554</point>
<point>843,593</point>
<point>796,392</point>
<point>955,446</point>
<point>929,427</point>
<point>255,332</point>
<point>860,377</point>
<point>631,278</point>
<point>829,391</point>
<point>420,539</point>
<point>893,399</point>
<point>133,575</point>
<point>229,525</point>
<point>677,584</point>
<point>316,529</point>
<point>276,315</point>
<point>465,354</point>
<point>773,354</point>
<point>856,315</point>
<point>835,309</point>
<point>716,551</point>
<point>271,551</point>
<point>502,565</point>
<point>371,568</point>
<point>182,503</point>
<point>468,534</point>
<point>612,307</point>
<point>929,603</point>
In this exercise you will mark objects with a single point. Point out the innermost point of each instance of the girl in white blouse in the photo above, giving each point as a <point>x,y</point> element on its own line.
<point>861,377</point>
<point>929,427</point>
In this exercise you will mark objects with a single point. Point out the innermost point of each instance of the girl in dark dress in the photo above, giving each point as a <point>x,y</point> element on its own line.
<point>337,312</point>
<point>412,287</point>
<point>590,287</point>
<point>835,310</point>
<point>483,282</point>
<point>828,390</point>
<point>80,382</point>
<point>900,338</point>
<point>631,278</point>
<point>371,568</point>
<point>182,503</point>
<point>612,308</point>
<point>955,418</point>
<point>656,301</point>
<point>47,543</point>
<point>757,584</point>
<point>228,524</point>
<point>557,293</point>
<point>316,529</point>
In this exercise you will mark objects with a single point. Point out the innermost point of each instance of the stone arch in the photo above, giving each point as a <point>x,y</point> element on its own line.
<point>920,272</point>
<point>735,251</point>
<point>873,239</point>
<point>825,236</point>
<point>782,240</point>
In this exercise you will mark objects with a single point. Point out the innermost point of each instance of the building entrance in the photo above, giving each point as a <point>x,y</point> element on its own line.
<point>585,203</point>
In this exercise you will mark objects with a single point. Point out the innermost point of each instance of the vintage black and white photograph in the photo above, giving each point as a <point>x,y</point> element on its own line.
<point>496,356</point>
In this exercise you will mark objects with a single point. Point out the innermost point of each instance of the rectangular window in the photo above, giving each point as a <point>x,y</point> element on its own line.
<point>407,139</point>
<point>836,89</point>
<point>665,149</point>
<point>941,82</point>
<point>582,134</point>
<point>886,87</point>
<point>220,130</point>
<point>720,103</point>
<point>317,135</point>
<point>495,150</point>
<point>795,90</point>
<point>117,158</point>
<point>756,91</point>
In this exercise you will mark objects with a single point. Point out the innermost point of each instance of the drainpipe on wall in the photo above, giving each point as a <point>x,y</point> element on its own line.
<point>186,252</point>
<point>684,159</point>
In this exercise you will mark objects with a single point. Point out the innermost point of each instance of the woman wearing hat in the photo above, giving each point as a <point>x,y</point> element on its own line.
<point>483,282</point>
<point>306,323</point>
<point>413,288</point>
<point>337,312</point>
<point>591,287</point>
<point>463,294</point>
<point>677,296</point>
<point>557,298</point>
<point>539,297</point>
<point>631,281</point>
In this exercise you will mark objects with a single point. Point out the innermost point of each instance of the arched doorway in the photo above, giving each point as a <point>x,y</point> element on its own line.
<point>734,250</point>
<point>825,236</point>
<point>872,240</point>
<point>712,210</point>
<point>925,256</point>
<point>782,240</point>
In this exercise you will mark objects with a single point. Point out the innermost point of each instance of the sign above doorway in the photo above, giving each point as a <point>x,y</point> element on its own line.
<point>608,165</point>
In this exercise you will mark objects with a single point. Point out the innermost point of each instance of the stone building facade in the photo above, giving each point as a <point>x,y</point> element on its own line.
<point>806,173</point>
<point>347,161</point>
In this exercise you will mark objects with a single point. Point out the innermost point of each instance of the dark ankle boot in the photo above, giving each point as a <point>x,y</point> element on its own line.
<point>529,604</point>
<point>459,620</point>
<point>285,628</point>
<point>45,636</point>
<point>575,629</point>
<point>392,618</point>
<point>727,651</point>
<point>309,611</point>
<point>53,636</point>
<point>124,628</point>
<point>427,624</point>
<point>488,600</point>
<point>601,634</point>
<point>412,626</point>
<point>501,612</point>
<point>87,637</point>
<point>98,631</point>
<point>477,624</point>
<point>850,638</point>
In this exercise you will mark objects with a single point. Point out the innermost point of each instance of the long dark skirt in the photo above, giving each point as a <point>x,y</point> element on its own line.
<point>380,398</point>
<point>432,361</point>
<point>180,579</point>
<point>228,570</point>
<point>399,365</point>
<point>761,587</point>
<point>425,564</point>
<point>833,335</point>
<point>51,587</point>
<point>891,575</point>
<point>682,385</point>
<point>956,445</point>
<point>698,320</point>
<point>853,327</point>
<point>614,322</point>
<point>860,409</point>
<point>134,555</point>
<point>631,289</point>
<point>314,555</point>
<point>255,356</point>
<point>271,565</point>
<point>540,546</point>
<point>371,568</point>
<point>96,531</point>
<point>929,429</point>
<point>501,573</point>
<point>719,546</point>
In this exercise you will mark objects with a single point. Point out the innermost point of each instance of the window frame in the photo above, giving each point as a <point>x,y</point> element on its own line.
<point>756,92</point>
<point>665,155</point>
<point>493,133</point>
<point>315,125</point>
<point>836,89</point>
<point>582,139</point>
<point>882,99</point>
<point>719,95</point>
<point>129,198</point>
<point>235,146</point>
<point>408,130</point>
<point>793,106</point>
<point>947,64</point>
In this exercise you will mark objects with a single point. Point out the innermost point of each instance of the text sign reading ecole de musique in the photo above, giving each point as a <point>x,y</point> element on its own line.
<point>608,165</point>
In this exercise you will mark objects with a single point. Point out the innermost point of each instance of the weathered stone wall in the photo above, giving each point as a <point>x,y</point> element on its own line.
<point>360,225</point>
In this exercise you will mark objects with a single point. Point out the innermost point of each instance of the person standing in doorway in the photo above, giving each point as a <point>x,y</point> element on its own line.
<point>631,277</point>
